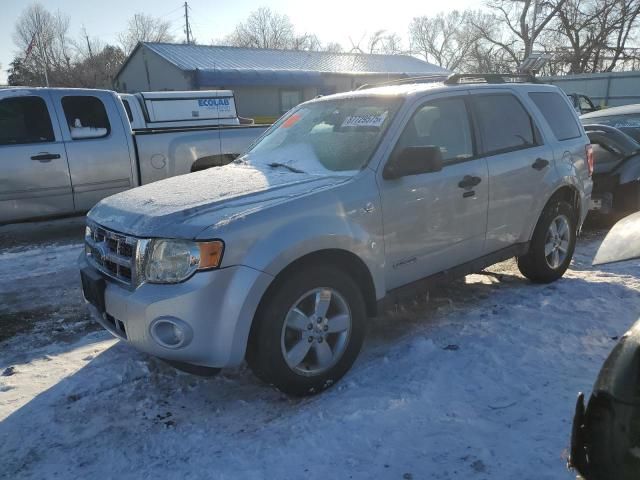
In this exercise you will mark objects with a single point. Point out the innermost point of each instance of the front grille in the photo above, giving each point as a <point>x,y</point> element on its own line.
<point>114,254</point>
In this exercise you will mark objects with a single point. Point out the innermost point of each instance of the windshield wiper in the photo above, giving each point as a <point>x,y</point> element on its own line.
<point>284,165</point>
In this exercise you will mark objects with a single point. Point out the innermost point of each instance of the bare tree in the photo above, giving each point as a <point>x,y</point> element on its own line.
<point>446,39</point>
<point>387,43</point>
<point>144,28</point>
<point>332,47</point>
<point>380,42</point>
<point>305,41</point>
<point>98,68</point>
<point>525,21</point>
<point>263,29</point>
<point>42,40</point>
<point>596,33</point>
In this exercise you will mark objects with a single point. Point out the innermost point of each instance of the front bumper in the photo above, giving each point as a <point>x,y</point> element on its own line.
<point>217,307</point>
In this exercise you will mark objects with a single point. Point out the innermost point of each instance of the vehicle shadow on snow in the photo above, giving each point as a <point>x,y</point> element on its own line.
<point>123,396</point>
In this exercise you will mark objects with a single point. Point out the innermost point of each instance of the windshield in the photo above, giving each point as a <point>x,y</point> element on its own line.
<point>628,123</point>
<point>326,136</point>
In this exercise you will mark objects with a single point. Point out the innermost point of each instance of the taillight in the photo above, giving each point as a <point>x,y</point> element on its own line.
<point>590,160</point>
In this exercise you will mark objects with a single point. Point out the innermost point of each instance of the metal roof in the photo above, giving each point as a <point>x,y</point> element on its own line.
<point>236,59</point>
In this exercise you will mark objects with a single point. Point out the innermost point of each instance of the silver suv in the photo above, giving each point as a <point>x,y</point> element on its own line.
<point>347,202</point>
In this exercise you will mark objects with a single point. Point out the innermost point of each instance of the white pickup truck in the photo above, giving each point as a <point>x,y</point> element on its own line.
<point>63,150</point>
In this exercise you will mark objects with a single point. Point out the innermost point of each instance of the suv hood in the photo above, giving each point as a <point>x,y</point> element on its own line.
<point>183,206</point>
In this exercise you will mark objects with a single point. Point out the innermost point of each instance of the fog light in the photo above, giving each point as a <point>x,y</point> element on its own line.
<point>171,332</point>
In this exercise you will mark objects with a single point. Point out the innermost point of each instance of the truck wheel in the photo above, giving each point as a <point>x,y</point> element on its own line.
<point>309,332</point>
<point>552,245</point>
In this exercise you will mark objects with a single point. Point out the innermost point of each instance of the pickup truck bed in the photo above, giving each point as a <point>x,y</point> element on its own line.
<point>164,153</point>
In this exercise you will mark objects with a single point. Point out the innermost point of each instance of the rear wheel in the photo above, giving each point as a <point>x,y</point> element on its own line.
<point>309,331</point>
<point>552,245</point>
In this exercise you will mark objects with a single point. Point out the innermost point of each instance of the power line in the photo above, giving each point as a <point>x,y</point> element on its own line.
<point>170,12</point>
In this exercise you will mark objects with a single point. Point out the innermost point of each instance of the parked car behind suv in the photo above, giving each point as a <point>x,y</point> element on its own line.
<point>346,203</point>
<point>615,136</point>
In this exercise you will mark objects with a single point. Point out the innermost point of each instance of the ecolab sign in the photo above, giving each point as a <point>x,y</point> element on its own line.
<point>213,102</point>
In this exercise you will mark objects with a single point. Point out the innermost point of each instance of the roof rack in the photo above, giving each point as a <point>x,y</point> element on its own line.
<point>436,77</point>
<point>464,78</point>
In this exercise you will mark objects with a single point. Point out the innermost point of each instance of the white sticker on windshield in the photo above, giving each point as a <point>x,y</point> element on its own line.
<point>371,120</point>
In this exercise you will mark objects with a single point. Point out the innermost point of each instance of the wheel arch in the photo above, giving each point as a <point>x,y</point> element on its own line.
<point>565,192</point>
<point>339,258</point>
<point>569,194</point>
<point>344,260</point>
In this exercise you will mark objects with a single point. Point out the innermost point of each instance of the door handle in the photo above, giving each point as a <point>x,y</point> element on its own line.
<point>540,164</point>
<point>469,182</point>
<point>45,157</point>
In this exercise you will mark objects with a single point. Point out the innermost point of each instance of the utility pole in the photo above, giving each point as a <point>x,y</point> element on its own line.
<point>187,27</point>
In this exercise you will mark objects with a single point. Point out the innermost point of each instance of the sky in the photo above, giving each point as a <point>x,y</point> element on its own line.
<point>332,20</point>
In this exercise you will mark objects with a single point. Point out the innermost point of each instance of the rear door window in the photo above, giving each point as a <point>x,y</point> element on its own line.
<point>503,123</point>
<point>557,114</point>
<point>25,120</point>
<point>86,117</point>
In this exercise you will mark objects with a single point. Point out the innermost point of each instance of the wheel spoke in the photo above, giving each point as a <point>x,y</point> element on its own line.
<point>323,300</point>
<point>324,354</point>
<point>339,323</point>
<point>564,246</point>
<point>564,228</point>
<point>315,331</point>
<point>297,320</point>
<point>548,249</point>
<point>299,351</point>
<point>555,262</point>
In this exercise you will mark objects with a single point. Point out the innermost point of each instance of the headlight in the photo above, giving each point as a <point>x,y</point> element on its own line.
<point>173,261</point>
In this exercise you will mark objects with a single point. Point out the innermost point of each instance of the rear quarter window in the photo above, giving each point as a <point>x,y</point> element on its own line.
<point>557,113</point>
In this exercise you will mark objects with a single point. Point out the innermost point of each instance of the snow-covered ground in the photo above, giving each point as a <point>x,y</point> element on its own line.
<point>477,381</point>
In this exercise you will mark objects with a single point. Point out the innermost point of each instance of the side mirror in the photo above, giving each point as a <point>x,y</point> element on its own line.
<point>413,161</point>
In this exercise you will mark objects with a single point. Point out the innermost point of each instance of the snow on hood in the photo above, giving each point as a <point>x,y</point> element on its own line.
<point>183,206</point>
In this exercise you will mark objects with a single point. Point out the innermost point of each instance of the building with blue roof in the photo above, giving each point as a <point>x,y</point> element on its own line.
<point>266,82</point>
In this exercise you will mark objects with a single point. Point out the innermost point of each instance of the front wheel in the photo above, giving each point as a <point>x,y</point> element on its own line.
<point>309,331</point>
<point>552,245</point>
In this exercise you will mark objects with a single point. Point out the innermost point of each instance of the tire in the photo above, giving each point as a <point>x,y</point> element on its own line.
<point>280,336</point>
<point>536,265</point>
